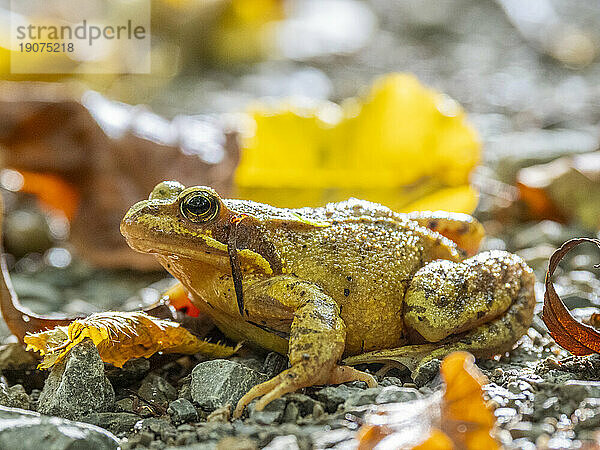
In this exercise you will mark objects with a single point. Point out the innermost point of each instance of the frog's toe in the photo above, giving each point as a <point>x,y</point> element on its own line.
<point>295,378</point>
<point>289,380</point>
<point>345,374</point>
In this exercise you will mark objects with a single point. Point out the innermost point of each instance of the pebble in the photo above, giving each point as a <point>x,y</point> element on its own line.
<point>132,371</point>
<point>14,396</point>
<point>272,413</point>
<point>332,396</point>
<point>218,382</point>
<point>181,411</point>
<point>395,394</point>
<point>159,426</point>
<point>24,430</point>
<point>157,391</point>
<point>274,364</point>
<point>363,397</point>
<point>115,422</point>
<point>77,386</point>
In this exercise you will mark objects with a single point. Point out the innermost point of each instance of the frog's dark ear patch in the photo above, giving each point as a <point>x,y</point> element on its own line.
<point>252,236</point>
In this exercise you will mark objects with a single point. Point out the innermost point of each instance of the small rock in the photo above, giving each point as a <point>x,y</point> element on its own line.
<point>156,390</point>
<point>272,413</point>
<point>14,357</point>
<point>283,443</point>
<point>274,364</point>
<point>24,430</point>
<point>132,371</point>
<point>304,402</point>
<point>218,382</point>
<point>181,411</point>
<point>13,397</point>
<point>395,394</point>
<point>577,390</point>
<point>391,381</point>
<point>427,372</point>
<point>318,410</point>
<point>77,386</point>
<point>362,398</point>
<point>291,413</point>
<point>115,422</point>
<point>239,443</point>
<point>222,414</point>
<point>160,427</point>
<point>332,396</point>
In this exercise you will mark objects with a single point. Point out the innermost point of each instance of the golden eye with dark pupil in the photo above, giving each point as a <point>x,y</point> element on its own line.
<point>199,207</point>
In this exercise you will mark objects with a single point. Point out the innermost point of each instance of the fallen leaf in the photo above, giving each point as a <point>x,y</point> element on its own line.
<point>401,144</point>
<point>457,419</point>
<point>121,336</point>
<point>576,337</point>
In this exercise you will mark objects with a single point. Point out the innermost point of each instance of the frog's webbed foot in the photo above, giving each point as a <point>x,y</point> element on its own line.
<point>298,377</point>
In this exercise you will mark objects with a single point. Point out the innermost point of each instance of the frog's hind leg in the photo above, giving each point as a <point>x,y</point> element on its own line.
<point>462,229</point>
<point>484,332</point>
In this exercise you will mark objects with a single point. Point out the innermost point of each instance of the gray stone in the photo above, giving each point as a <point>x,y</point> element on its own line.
<point>25,430</point>
<point>577,390</point>
<point>274,364</point>
<point>218,382</point>
<point>362,397</point>
<point>77,386</point>
<point>332,396</point>
<point>395,394</point>
<point>156,390</point>
<point>426,372</point>
<point>160,427</point>
<point>14,396</point>
<point>272,413</point>
<point>390,381</point>
<point>132,371</point>
<point>304,402</point>
<point>181,411</point>
<point>291,413</point>
<point>115,422</point>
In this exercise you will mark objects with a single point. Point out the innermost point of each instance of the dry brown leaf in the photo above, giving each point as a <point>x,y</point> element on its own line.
<point>121,336</point>
<point>458,419</point>
<point>570,334</point>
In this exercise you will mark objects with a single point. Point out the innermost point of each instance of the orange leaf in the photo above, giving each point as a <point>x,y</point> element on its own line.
<point>458,419</point>
<point>466,419</point>
<point>52,191</point>
<point>121,336</point>
<point>570,334</point>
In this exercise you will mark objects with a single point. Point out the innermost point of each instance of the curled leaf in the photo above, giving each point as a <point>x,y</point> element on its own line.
<point>458,419</point>
<point>121,336</point>
<point>570,334</point>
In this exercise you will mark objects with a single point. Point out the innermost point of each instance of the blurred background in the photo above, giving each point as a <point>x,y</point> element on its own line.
<point>484,107</point>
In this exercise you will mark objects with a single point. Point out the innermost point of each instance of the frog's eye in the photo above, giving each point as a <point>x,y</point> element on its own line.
<point>199,206</point>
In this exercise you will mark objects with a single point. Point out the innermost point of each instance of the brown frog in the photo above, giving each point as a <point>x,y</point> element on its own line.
<point>350,280</point>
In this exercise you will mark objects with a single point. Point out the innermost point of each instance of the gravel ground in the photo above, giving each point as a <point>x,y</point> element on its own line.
<point>530,102</point>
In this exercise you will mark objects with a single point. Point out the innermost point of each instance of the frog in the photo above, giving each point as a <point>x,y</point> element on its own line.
<point>335,286</point>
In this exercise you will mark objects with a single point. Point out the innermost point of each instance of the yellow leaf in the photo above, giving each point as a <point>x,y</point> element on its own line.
<point>399,143</point>
<point>121,336</point>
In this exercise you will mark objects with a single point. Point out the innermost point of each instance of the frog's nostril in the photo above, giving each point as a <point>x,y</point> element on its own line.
<point>166,190</point>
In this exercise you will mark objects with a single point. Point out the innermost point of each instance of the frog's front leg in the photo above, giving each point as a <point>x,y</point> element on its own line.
<point>316,343</point>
